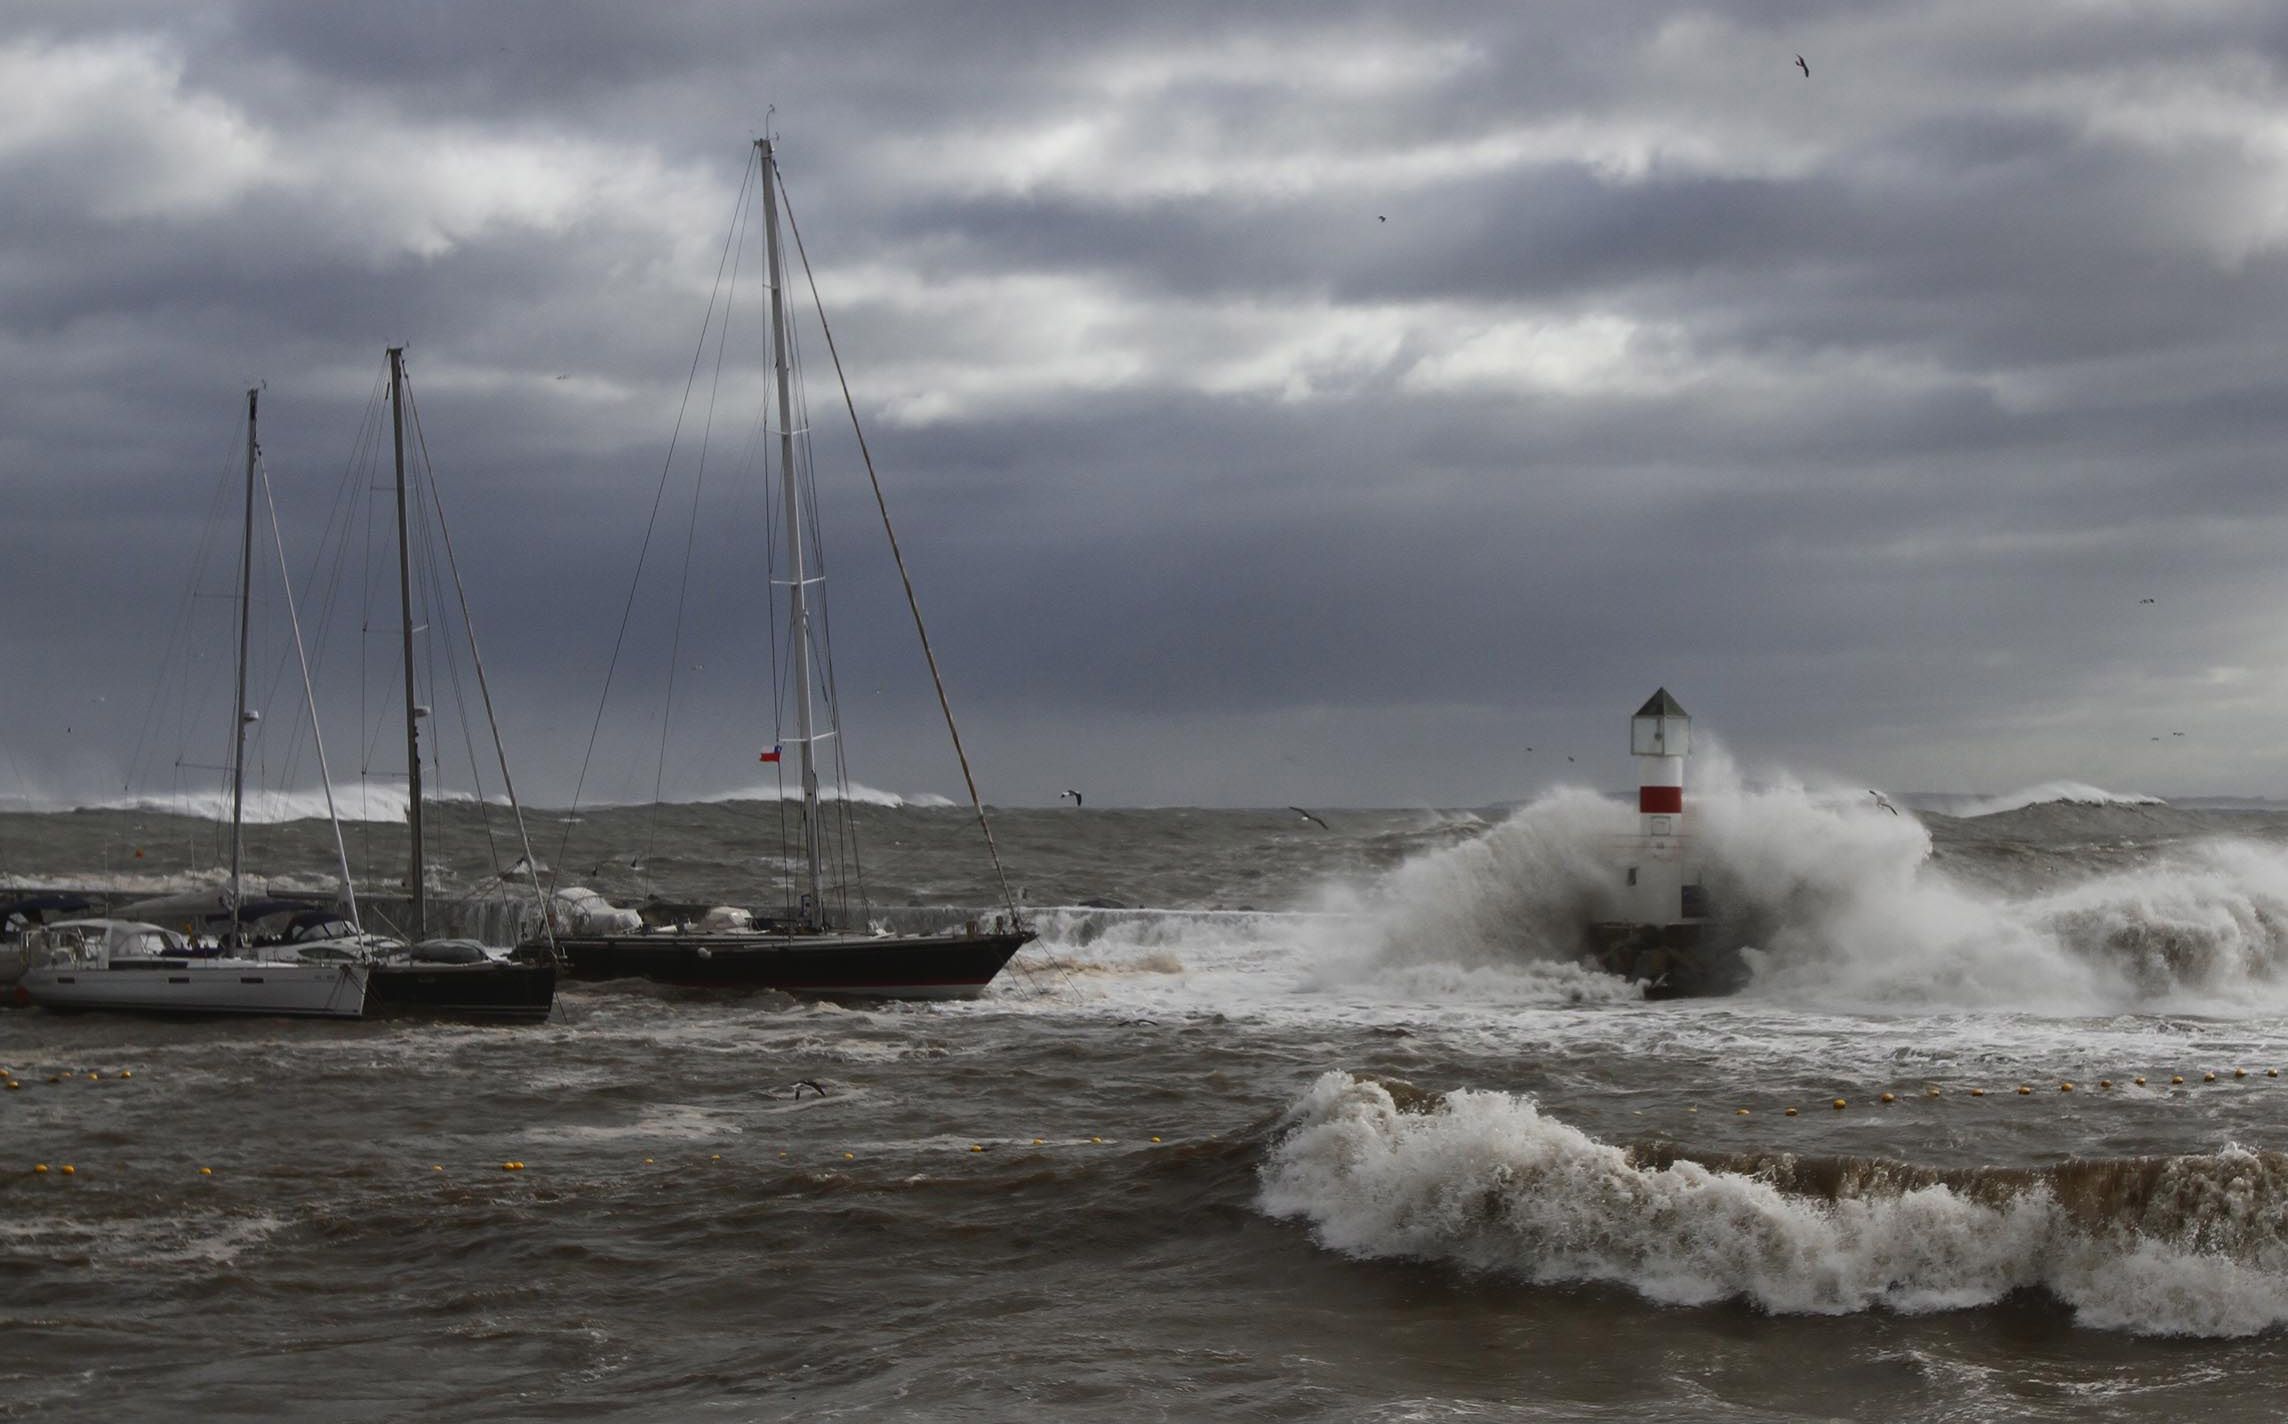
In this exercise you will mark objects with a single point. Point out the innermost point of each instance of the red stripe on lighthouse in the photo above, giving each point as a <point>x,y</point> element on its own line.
<point>1660,800</point>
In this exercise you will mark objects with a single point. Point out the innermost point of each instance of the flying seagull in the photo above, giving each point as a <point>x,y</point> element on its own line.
<point>1883,803</point>
<point>811,1083</point>
<point>1322,825</point>
<point>2145,600</point>
<point>1378,217</point>
<point>1802,66</point>
<point>1075,795</point>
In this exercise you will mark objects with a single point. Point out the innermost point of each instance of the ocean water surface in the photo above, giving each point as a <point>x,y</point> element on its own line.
<point>1276,1121</point>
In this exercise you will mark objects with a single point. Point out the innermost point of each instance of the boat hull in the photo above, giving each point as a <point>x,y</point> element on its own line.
<point>199,987</point>
<point>953,966</point>
<point>495,991</point>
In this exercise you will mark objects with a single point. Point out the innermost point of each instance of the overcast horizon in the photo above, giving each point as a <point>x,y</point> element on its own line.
<point>1278,405</point>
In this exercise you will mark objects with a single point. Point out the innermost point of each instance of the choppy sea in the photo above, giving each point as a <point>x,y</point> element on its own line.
<point>1277,1121</point>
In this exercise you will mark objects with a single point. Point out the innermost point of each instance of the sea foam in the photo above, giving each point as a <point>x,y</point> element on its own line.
<point>1487,1183</point>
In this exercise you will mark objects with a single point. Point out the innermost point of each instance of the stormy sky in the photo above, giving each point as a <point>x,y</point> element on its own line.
<point>1279,403</point>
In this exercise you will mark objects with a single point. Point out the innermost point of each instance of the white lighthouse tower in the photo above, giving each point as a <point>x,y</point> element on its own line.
<point>1664,912</point>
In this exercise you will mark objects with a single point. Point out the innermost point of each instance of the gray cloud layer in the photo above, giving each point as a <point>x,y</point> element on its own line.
<point>1280,403</point>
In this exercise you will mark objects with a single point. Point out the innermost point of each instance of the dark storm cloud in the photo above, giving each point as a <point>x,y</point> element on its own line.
<point>1279,402</point>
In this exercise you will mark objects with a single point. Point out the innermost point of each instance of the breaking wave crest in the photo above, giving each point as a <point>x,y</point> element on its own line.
<point>2049,793</point>
<point>2194,1245</point>
<point>1841,904</point>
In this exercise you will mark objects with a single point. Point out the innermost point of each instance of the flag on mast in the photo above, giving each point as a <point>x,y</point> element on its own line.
<point>772,754</point>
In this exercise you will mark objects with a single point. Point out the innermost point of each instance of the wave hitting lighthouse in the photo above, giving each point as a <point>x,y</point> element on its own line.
<point>1663,935</point>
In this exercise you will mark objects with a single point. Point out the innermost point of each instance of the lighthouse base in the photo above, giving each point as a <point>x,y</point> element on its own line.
<point>1683,960</point>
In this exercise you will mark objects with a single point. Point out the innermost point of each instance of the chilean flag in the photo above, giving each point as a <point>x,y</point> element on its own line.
<point>771,755</point>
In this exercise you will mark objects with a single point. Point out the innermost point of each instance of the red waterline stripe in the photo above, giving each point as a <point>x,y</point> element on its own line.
<point>1660,800</point>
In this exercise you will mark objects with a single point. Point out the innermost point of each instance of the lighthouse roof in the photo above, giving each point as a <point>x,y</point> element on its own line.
<point>1662,705</point>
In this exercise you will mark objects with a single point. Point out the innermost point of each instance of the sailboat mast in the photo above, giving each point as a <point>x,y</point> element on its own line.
<point>238,712</point>
<point>417,881</point>
<point>799,599</point>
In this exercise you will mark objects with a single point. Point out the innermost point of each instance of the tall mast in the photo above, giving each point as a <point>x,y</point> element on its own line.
<point>239,719</point>
<point>799,599</point>
<point>420,927</point>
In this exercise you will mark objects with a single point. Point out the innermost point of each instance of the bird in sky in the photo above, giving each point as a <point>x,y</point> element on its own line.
<point>1378,217</point>
<point>1883,803</point>
<point>1322,825</point>
<point>1802,66</point>
<point>1075,795</point>
<point>2145,600</point>
<point>2176,734</point>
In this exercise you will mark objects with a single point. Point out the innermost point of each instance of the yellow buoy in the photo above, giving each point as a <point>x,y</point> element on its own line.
<point>1931,1092</point>
<point>39,1166</point>
<point>438,1167</point>
<point>2139,1080</point>
<point>12,1083</point>
<point>849,1156</point>
<point>1742,1112</point>
<point>2271,1072</point>
<point>1791,1112</point>
<point>1978,1092</point>
<point>1096,1139</point>
<point>1840,1105</point>
<point>2240,1072</point>
<point>1157,1139</point>
<point>647,1161</point>
<point>70,1170</point>
<point>94,1077</point>
<point>2105,1082</point>
<point>1036,1142</point>
<point>2065,1087</point>
<point>2025,1090</point>
<point>206,1171</point>
<point>1890,1097</point>
<point>2208,1077</point>
<point>976,1147</point>
<point>715,1157</point>
<point>126,1072</point>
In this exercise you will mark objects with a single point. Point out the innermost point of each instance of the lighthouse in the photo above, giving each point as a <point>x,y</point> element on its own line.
<point>1662,935</point>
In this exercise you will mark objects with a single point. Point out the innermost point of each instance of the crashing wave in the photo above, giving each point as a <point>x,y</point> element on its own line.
<point>860,795</point>
<point>1484,1181</point>
<point>1841,904</point>
<point>2049,793</point>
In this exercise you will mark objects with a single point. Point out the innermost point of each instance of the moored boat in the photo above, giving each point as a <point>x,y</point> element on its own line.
<point>124,965</point>
<point>799,960</point>
<point>799,950</point>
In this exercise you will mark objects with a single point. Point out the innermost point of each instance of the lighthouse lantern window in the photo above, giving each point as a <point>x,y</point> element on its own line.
<point>1660,728</point>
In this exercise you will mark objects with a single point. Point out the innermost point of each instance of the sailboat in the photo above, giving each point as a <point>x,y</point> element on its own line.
<point>126,964</point>
<point>797,951</point>
<point>421,974</point>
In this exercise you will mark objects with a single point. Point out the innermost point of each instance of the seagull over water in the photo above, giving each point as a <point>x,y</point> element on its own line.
<point>1802,66</point>
<point>1075,795</point>
<point>1883,803</point>
<point>1322,825</point>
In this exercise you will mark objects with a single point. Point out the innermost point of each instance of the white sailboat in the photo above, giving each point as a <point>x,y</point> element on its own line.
<point>125,964</point>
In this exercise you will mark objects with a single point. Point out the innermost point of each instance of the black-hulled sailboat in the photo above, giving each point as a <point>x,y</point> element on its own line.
<point>420,974</point>
<point>797,950</point>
